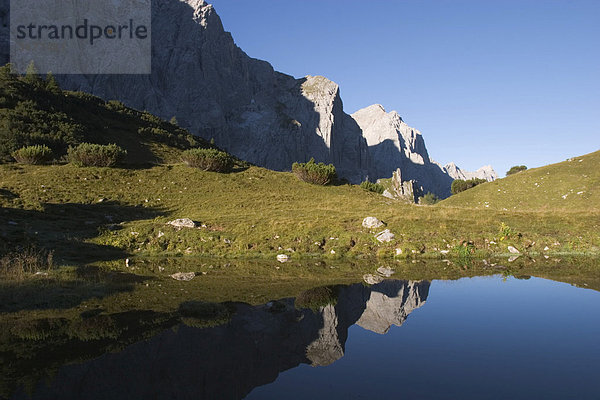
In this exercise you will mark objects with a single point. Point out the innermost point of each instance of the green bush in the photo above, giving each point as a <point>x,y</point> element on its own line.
<point>372,187</point>
<point>96,155</point>
<point>208,159</point>
<point>38,154</point>
<point>311,172</point>
<point>429,199</point>
<point>515,169</point>
<point>460,185</point>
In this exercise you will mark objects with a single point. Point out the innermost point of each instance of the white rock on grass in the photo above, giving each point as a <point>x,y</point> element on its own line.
<point>385,272</point>
<point>182,223</point>
<point>385,236</point>
<point>183,276</point>
<point>513,250</point>
<point>282,258</point>
<point>372,222</point>
<point>398,251</point>
<point>372,279</point>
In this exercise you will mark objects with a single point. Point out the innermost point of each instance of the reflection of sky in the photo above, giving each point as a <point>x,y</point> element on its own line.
<point>480,338</point>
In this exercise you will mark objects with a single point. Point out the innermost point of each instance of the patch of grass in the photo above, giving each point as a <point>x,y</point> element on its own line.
<point>566,187</point>
<point>19,264</point>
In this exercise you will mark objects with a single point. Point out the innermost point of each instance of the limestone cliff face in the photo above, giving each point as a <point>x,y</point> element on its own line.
<point>397,149</point>
<point>265,117</point>
<point>486,172</point>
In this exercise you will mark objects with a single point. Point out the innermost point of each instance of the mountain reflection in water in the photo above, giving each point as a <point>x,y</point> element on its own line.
<point>229,361</point>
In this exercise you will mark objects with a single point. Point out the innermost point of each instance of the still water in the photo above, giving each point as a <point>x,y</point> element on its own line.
<point>473,338</point>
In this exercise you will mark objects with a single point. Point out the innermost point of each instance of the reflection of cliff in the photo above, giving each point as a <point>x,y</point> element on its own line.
<point>228,361</point>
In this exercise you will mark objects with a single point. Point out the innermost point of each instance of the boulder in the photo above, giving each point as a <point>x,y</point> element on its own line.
<point>385,272</point>
<point>372,279</point>
<point>182,223</point>
<point>385,236</point>
<point>183,276</point>
<point>372,222</point>
<point>513,250</point>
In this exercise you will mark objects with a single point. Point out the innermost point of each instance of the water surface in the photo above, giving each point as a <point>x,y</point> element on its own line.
<point>481,338</point>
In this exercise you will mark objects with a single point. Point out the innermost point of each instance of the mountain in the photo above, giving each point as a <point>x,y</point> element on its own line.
<point>200,76</point>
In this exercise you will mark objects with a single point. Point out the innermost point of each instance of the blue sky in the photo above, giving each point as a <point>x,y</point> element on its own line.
<point>486,82</point>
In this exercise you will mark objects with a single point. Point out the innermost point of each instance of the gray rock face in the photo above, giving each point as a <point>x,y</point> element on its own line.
<point>260,115</point>
<point>399,151</point>
<point>486,172</point>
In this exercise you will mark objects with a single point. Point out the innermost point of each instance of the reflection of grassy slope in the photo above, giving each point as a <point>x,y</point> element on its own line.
<point>37,342</point>
<point>566,186</point>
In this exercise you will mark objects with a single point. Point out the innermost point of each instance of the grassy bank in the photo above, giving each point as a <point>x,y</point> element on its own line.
<point>108,213</point>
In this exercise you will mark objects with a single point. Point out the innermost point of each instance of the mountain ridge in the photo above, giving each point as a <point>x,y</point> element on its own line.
<point>269,118</point>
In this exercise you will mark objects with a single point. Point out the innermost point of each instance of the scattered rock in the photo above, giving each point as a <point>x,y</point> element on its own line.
<point>332,251</point>
<point>127,261</point>
<point>385,272</point>
<point>444,252</point>
<point>398,251</point>
<point>386,193</point>
<point>160,234</point>
<point>282,258</point>
<point>183,276</point>
<point>546,248</point>
<point>182,223</point>
<point>372,279</point>
<point>513,258</point>
<point>385,236</point>
<point>513,250</point>
<point>372,222</point>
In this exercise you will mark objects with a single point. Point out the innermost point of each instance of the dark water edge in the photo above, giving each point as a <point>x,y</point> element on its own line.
<point>495,336</point>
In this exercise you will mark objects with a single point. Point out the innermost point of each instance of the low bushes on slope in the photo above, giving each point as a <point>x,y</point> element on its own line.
<point>311,172</point>
<point>372,187</point>
<point>208,160</point>
<point>96,155</point>
<point>460,185</point>
<point>35,155</point>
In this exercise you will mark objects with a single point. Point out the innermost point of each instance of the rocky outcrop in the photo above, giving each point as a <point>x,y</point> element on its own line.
<point>398,151</point>
<point>486,172</point>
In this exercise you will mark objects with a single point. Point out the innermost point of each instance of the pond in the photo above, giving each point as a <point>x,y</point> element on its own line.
<point>486,337</point>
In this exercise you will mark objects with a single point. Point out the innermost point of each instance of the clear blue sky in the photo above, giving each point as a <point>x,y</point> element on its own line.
<point>496,82</point>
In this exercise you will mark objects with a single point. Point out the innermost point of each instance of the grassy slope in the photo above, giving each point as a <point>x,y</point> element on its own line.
<point>254,212</point>
<point>572,185</point>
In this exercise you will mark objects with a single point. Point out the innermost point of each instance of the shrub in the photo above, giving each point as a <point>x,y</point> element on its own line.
<point>372,187</point>
<point>429,199</point>
<point>515,169</point>
<point>208,159</point>
<point>311,172</point>
<point>96,155</point>
<point>460,185</point>
<point>38,154</point>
